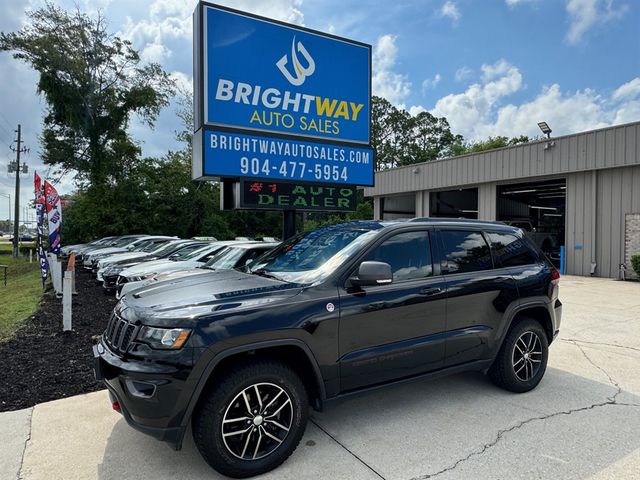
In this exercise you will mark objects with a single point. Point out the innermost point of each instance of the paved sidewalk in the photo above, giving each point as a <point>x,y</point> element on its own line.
<point>15,430</point>
<point>583,421</point>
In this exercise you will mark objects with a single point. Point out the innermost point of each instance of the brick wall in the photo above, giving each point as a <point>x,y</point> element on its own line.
<point>631,240</point>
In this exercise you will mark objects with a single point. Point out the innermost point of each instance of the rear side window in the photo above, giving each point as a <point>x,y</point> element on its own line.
<point>409,255</point>
<point>510,250</point>
<point>465,251</point>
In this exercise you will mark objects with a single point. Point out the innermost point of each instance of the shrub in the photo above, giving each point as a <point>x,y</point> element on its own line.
<point>635,263</point>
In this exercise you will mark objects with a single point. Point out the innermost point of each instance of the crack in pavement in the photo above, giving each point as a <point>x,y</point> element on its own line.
<point>574,341</point>
<point>315,422</point>
<point>612,400</point>
<point>24,450</point>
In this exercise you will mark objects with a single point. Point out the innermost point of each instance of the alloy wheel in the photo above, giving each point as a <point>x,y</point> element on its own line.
<point>257,421</point>
<point>527,356</point>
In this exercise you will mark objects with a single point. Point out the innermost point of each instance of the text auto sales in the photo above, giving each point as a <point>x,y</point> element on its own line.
<point>272,98</point>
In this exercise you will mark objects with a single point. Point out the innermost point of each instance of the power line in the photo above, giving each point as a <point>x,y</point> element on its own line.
<point>5,120</point>
<point>9,136</point>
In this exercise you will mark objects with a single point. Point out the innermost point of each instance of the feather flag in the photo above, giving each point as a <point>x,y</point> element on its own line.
<point>42,257</point>
<point>54,216</point>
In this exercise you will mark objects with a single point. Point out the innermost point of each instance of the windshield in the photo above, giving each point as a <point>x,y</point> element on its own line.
<point>168,248</point>
<point>227,258</point>
<point>123,242</point>
<point>188,251</point>
<point>311,257</point>
<point>139,245</point>
<point>154,245</point>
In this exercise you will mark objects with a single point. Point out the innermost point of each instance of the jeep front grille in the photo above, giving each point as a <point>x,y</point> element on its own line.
<point>120,333</point>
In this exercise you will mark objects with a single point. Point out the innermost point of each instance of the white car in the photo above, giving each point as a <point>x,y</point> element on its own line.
<point>193,259</point>
<point>236,255</point>
<point>123,245</point>
<point>148,248</point>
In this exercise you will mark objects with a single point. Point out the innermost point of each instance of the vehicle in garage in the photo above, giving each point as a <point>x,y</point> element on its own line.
<point>240,355</point>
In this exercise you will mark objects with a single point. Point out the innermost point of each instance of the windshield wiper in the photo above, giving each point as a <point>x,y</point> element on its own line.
<point>263,273</point>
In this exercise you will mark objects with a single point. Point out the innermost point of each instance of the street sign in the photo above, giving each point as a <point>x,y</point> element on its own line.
<point>259,74</point>
<point>229,154</point>
<point>256,194</point>
<point>278,101</point>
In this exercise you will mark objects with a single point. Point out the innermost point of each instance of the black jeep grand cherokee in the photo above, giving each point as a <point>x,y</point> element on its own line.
<point>329,312</point>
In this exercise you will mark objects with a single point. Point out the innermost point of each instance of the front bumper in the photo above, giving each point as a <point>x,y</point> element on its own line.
<point>109,283</point>
<point>150,394</point>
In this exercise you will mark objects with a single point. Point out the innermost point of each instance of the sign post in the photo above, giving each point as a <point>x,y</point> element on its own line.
<point>281,105</point>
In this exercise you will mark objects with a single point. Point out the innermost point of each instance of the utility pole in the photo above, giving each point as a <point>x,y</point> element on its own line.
<point>16,222</point>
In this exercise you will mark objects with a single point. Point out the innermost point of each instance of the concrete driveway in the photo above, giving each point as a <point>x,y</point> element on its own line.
<point>583,421</point>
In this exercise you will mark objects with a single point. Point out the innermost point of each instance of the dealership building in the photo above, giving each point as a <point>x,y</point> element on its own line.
<point>580,192</point>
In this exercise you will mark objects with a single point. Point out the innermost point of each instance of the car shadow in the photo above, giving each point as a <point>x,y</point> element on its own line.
<point>417,429</point>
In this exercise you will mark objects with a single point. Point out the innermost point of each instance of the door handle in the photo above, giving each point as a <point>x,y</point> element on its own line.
<point>428,291</point>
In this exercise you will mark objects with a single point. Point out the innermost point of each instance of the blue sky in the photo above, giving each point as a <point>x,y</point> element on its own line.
<point>492,67</point>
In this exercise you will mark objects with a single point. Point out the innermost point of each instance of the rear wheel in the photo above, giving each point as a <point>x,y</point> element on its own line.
<point>522,359</point>
<point>252,420</point>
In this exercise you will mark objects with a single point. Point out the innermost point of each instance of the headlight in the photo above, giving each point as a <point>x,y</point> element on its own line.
<point>164,338</point>
<point>141,277</point>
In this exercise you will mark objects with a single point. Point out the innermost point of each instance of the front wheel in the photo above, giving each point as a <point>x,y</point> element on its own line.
<point>522,359</point>
<point>252,420</point>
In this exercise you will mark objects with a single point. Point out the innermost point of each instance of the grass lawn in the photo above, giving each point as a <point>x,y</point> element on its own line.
<point>20,298</point>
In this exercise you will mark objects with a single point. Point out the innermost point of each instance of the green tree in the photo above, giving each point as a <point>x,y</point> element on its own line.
<point>462,148</point>
<point>93,82</point>
<point>401,139</point>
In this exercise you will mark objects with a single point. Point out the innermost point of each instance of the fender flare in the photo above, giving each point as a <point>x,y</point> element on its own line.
<point>218,357</point>
<point>515,312</point>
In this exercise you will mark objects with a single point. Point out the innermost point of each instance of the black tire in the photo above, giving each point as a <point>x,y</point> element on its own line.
<point>226,397</point>
<point>512,369</point>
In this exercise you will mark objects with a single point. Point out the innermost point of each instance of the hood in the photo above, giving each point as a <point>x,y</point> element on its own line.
<point>103,252</point>
<point>193,296</point>
<point>117,257</point>
<point>147,267</point>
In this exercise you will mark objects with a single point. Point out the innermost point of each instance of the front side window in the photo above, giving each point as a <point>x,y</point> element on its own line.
<point>408,254</point>
<point>465,251</point>
<point>510,250</point>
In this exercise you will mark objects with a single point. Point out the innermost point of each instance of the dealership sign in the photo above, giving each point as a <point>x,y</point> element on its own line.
<point>269,94</point>
<point>269,195</point>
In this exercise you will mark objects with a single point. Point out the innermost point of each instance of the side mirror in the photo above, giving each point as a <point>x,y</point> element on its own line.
<point>373,273</point>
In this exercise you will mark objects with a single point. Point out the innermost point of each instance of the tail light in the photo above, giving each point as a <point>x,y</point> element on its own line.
<point>555,275</point>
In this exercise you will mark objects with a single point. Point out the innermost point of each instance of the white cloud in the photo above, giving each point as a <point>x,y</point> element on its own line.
<point>629,90</point>
<point>450,10</point>
<point>467,111</point>
<point>480,111</point>
<point>184,82</point>
<point>169,23</point>
<point>462,74</point>
<point>387,83</point>
<point>416,109</point>
<point>428,83</point>
<point>587,14</point>
<point>513,3</point>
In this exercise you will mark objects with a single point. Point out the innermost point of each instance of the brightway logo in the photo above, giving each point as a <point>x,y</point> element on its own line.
<point>301,73</point>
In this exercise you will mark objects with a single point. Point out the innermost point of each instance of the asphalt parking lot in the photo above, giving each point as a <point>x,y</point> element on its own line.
<point>583,421</point>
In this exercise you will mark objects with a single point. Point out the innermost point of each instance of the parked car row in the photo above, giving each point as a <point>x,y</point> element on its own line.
<point>125,263</point>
